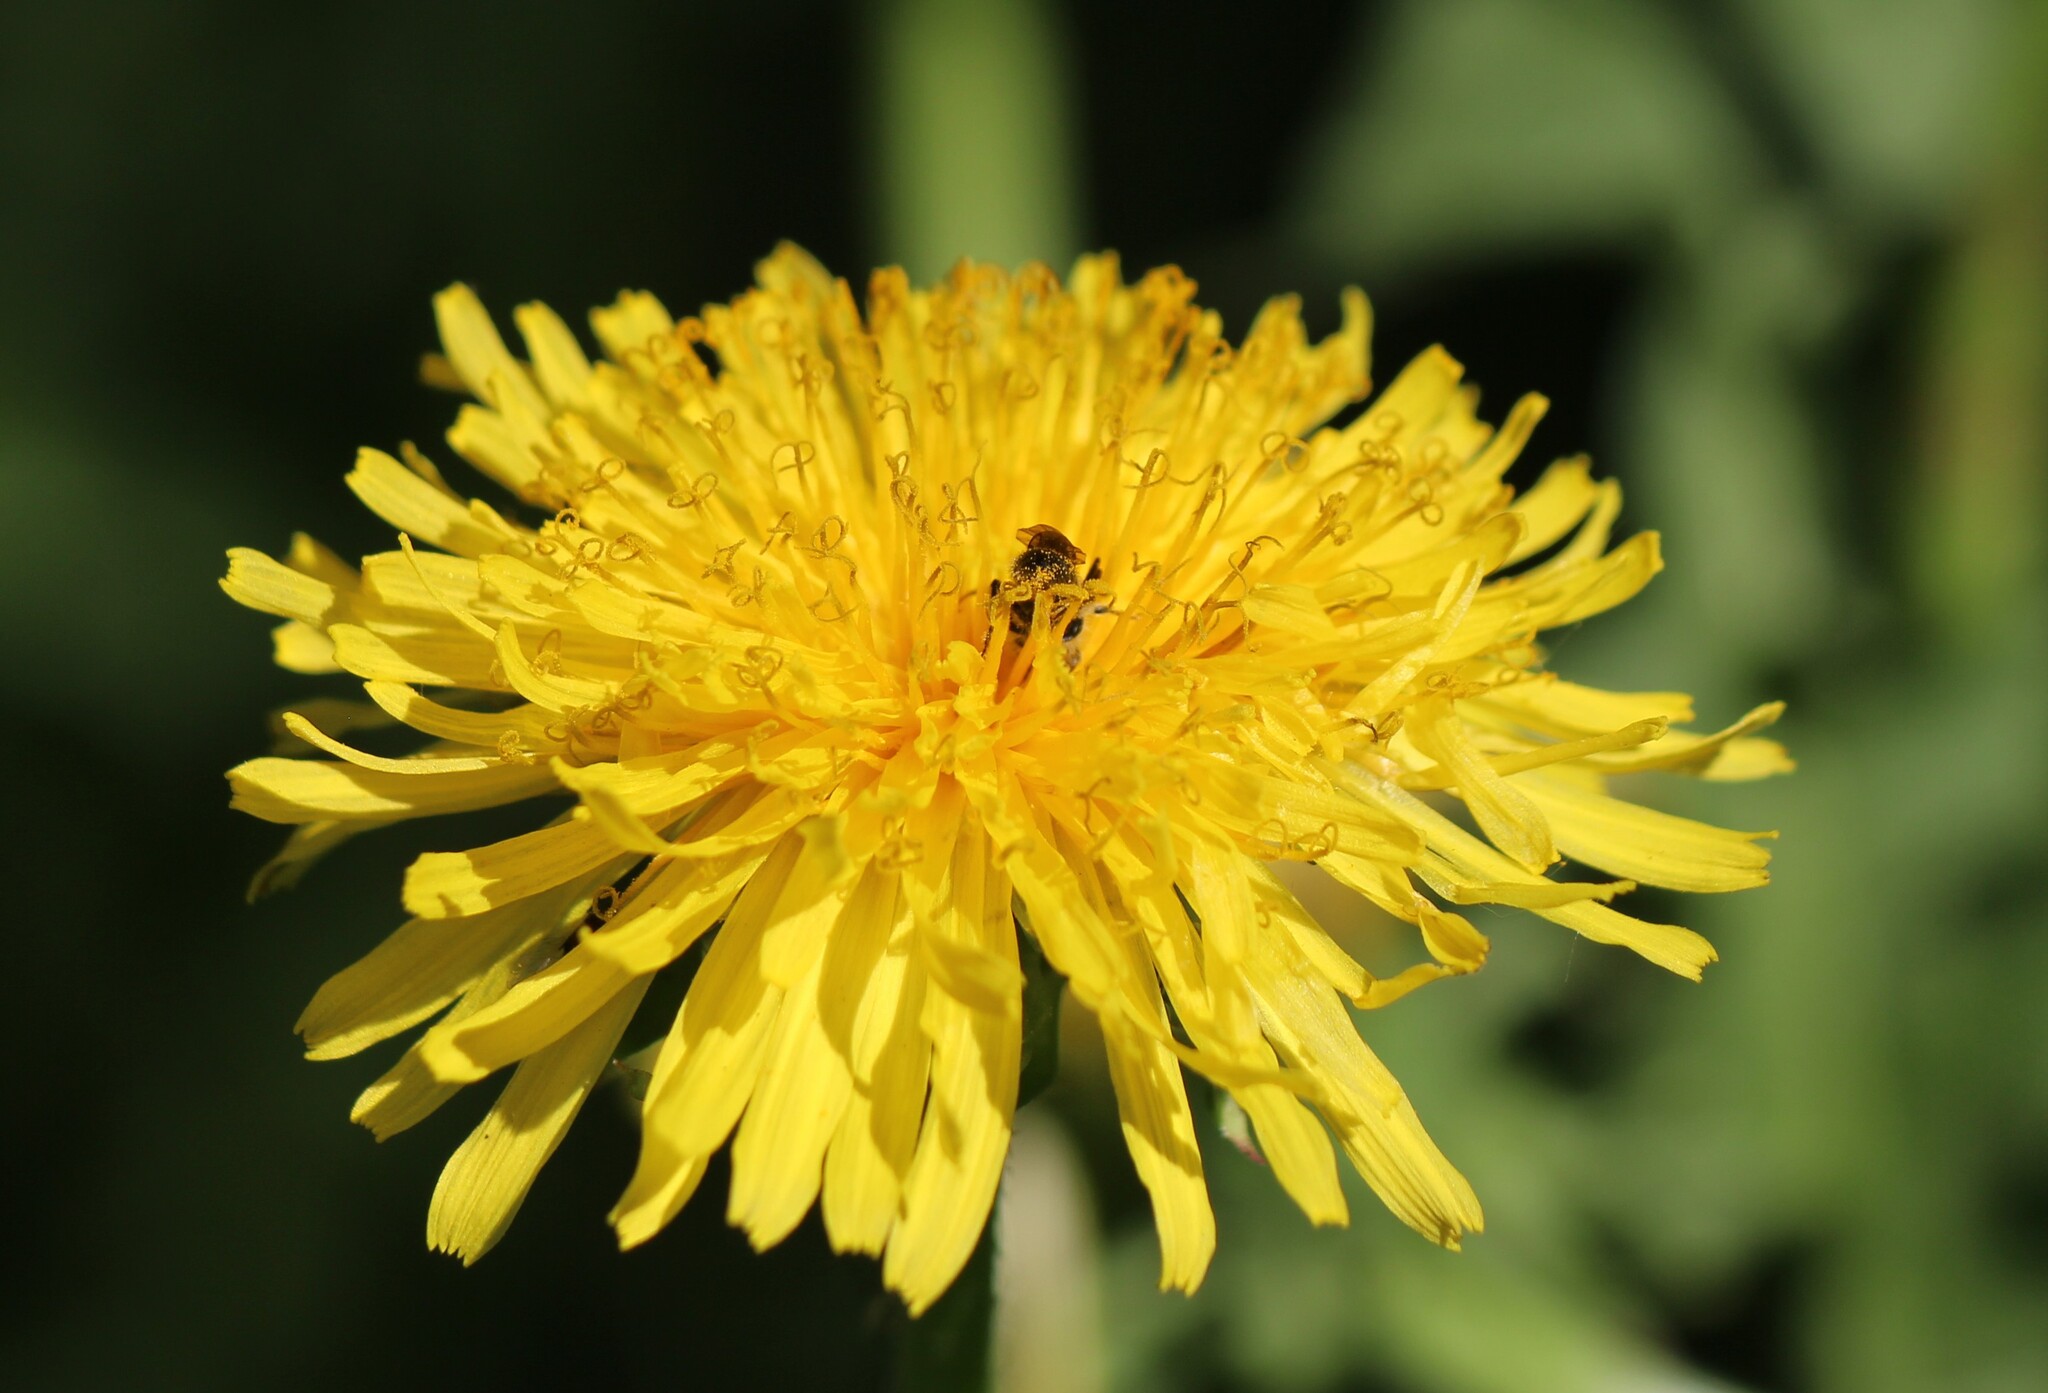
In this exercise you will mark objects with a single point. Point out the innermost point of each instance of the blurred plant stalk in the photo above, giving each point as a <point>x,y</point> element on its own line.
<point>975,145</point>
<point>1982,481</point>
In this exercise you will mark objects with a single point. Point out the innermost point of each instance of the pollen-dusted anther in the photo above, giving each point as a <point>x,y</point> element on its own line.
<point>944,580</point>
<point>802,788</point>
<point>885,399</point>
<point>606,473</point>
<point>831,608</point>
<point>1278,447</point>
<point>697,494</point>
<point>547,655</point>
<point>954,515</point>
<point>720,565</point>
<point>807,374</point>
<point>826,538</point>
<point>793,456</point>
<point>1156,469</point>
<point>1380,456</point>
<point>740,596</point>
<point>759,668</point>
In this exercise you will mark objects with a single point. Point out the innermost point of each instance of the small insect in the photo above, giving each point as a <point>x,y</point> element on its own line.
<point>1049,566</point>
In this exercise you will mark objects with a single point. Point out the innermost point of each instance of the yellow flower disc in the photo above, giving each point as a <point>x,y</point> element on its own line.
<point>864,641</point>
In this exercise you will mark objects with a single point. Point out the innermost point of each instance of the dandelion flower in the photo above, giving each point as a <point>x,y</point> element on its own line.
<point>874,647</point>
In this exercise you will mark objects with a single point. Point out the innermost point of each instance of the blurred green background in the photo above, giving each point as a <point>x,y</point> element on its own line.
<point>1782,266</point>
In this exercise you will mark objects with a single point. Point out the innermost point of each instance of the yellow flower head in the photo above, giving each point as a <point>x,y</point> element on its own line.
<point>865,643</point>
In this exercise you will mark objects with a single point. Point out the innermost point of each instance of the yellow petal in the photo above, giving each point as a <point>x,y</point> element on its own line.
<point>1646,845</point>
<point>1594,587</point>
<point>1513,821</point>
<point>311,558</point>
<point>443,884</point>
<point>1452,607</point>
<point>1295,1143</point>
<point>1459,863</point>
<point>1214,878</point>
<point>685,899</point>
<point>1296,810</point>
<point>414,765</point>
<point>416,585</point>
<point>479,356</point>
<point>1159,1130</point>
<point>313,790</point>
<point>1554,505</point>
<point>1292,609</point>
<point>1537,893</point>
<point>869,1159</point>
<point>626,325</point>
<point>554,691</point>
<point>501,443</point>
<point>978,980</point>
<point>533,1015</point>
<point>764,820</point>
<point>1488,546</point>
<point>558,360</point>
<point>1372,1117</point>
<point>425,964</point>
<point>975,1053</point>
<point>488,1177</point>
<point>1742,760</point>
<point>1455,947</point>
<point>1073,937</point>
<point>664,913</point>
<point>708,1063</point>
<point>1415,400</point>
<point>527,725</point>
<point>1521,761</point>
<point>255,580</point>
<point>1556,707</point>
<point>661,784</point>
<point>408,1093</point>
<point>812,898</point>
<point>1505,447</point>
<point>778,1156</point>
<point>298,647</point>
<point>412,505</point>
<point>433,655</point>
<point>1708,755</point>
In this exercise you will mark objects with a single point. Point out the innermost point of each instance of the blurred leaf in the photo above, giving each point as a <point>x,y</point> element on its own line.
<point>1495,124</point>
<point>1891,95</point>
<point>1982,476</point>
<point>117,574</point>
<point>1721,450</point>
